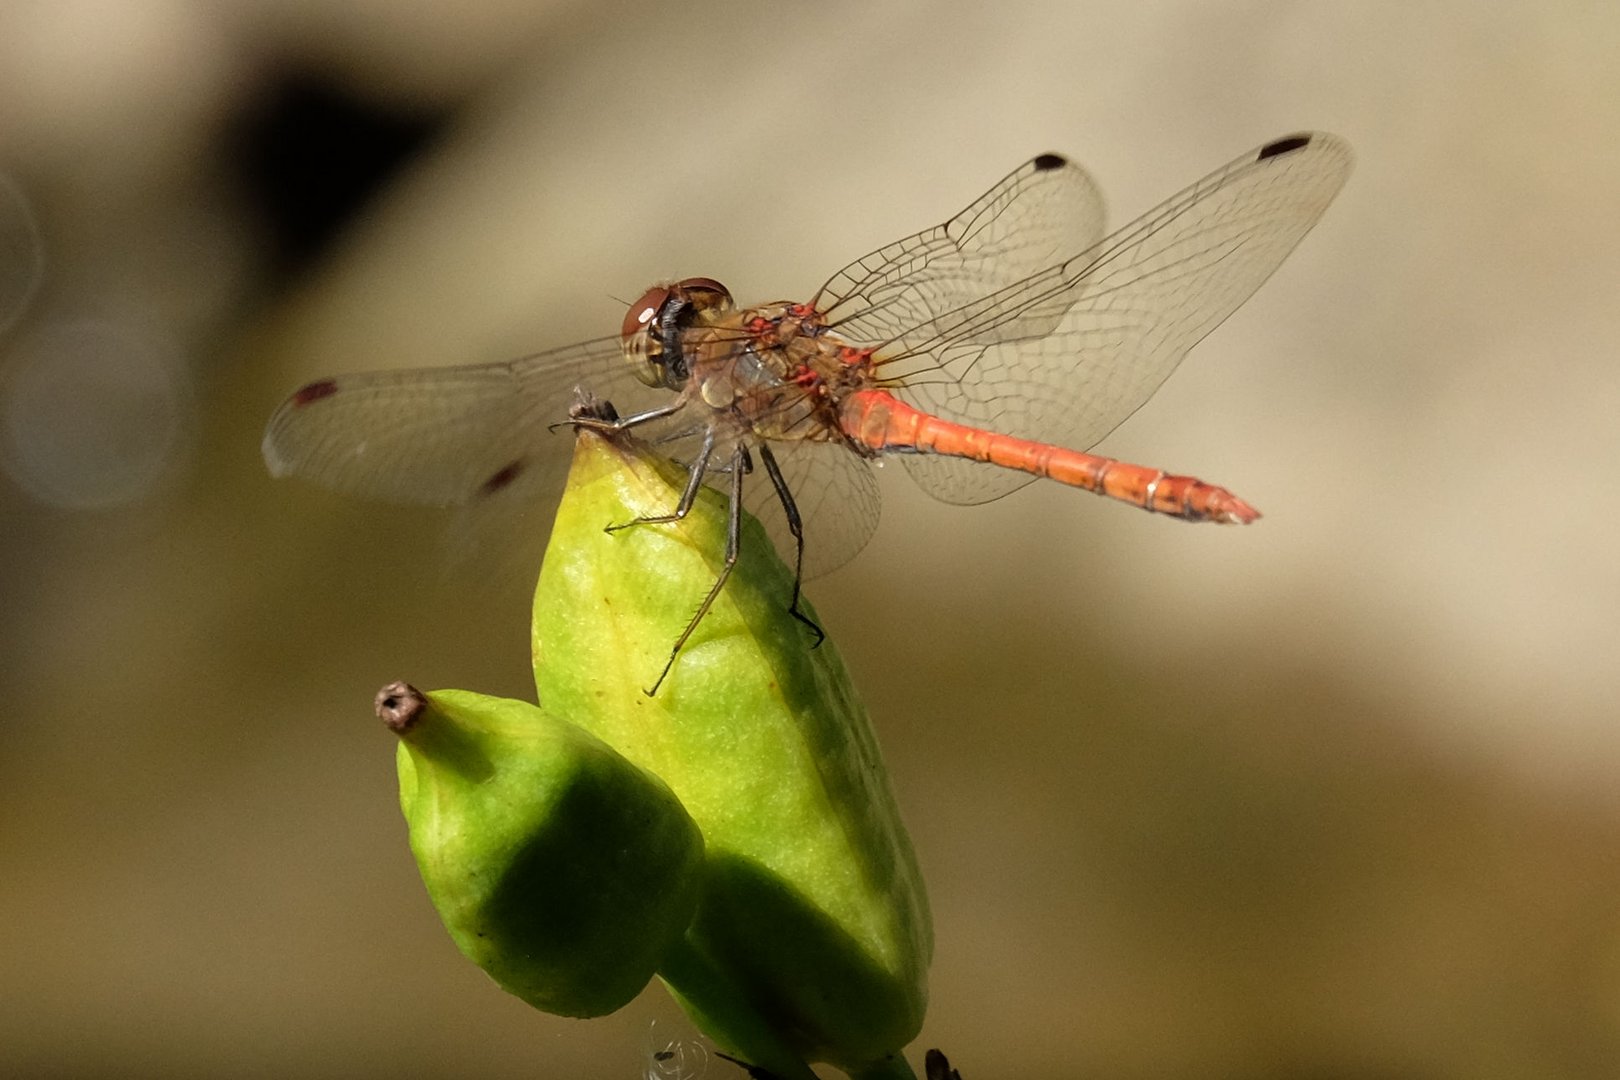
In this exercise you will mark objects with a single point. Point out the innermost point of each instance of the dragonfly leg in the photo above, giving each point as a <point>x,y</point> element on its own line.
<point>739,463</point>
<point>599,416</point>
<point>796,527</point>
<point>694,484</point>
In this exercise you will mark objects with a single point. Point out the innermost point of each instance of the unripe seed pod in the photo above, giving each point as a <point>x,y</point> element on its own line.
<point>813,924</point>
<point>560,868</point>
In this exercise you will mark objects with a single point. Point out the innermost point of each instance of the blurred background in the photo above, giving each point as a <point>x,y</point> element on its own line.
<point>1334,796</point>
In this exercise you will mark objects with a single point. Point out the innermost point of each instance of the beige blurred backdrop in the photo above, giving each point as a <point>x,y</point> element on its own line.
<point>1333,796</point>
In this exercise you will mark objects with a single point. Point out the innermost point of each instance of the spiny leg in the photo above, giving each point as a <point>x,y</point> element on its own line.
<point>694,484</point>
<point>739,465</point>
<point>796,527</point>
<point>600,416</point>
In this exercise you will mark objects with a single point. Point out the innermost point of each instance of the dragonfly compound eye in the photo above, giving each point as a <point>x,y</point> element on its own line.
<point>653,326</point>
<point>643,346</point>
<point>705,294</point>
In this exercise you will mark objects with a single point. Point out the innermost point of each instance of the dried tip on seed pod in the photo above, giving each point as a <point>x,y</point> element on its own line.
<point>398,705</point>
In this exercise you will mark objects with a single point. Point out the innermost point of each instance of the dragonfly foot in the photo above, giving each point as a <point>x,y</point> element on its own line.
<point>810,624</point>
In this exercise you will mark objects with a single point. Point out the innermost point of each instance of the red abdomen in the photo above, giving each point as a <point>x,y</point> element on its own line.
<point>880,422</point>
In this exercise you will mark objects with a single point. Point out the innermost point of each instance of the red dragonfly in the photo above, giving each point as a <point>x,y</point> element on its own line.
<point>975,350</point>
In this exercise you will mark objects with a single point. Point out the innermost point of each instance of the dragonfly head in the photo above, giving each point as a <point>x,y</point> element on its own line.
<point>653,326</point>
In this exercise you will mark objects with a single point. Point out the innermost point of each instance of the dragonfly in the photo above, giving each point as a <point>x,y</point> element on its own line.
<point>985,352</point>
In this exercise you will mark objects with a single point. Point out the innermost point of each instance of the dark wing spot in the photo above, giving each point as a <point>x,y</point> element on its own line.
<point>314,392</point>
<point>1286,145</point>
<point>505,476</point>
<point>1047,162</point>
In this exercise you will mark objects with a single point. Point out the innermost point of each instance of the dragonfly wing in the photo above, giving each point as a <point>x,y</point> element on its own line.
<point>439,436</point>
<point>837,497</point>
<point>1124,312</point>
<point>1038,215</point>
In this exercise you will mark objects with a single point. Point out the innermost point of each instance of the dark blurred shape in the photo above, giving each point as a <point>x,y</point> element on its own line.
<point>22,258</point>
<point>311,153</point>
<point>938,1066</point>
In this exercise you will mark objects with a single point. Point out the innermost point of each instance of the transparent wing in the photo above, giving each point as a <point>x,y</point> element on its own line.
<point>1065,354</point>
<point>1041,213</point>
<point>444,436</point>
<point>837,497</point>
<point>480,437</point>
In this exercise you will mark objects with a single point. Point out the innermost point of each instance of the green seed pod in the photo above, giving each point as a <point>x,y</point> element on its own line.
<point>812,941</point>
<point>558,867</point>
